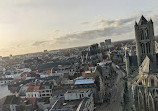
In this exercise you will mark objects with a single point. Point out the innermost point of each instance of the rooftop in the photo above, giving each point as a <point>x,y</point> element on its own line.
<point>33,88</point>
<point>77,90</point>
<point>84,81</point>
<point>62,105</point>
<point>12,99</point>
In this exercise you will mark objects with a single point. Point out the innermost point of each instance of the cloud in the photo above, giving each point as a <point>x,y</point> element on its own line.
<point>101,23</point>
<point>55,34</point>
<point>84,23</point>
<point>91,35</point>
<point>104,28</point>
<point>38,43</point>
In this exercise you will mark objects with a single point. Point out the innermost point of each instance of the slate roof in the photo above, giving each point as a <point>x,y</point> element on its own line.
<point>33,88</point>
<point>55,64</point>
<point>84,81</point>
<point>12,99</point>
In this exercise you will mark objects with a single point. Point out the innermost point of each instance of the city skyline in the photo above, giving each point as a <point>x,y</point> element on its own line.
<point>31,26</point>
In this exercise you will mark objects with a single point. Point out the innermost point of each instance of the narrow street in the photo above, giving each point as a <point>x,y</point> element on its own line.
<point>116,94</point>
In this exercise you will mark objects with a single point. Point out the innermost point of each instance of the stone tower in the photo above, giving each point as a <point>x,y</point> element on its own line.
<point>145,41</point>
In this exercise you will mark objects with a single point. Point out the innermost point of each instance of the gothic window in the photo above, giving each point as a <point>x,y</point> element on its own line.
<point>140,83</point>
<point>141,35</point>
<point>143,48</point>
<point>153,91</point>
<point>80,96</point>
<point>152,82</point>
<point>146,33</point>
<point>148,47</point>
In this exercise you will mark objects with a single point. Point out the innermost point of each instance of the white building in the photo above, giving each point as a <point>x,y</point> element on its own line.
<point>14,76</point>
<point>45,89</point>
<point>86,95</point>
<point>77,94</point>
<point>4,81</point>
<point>75,100</point>
<point>33,92</point>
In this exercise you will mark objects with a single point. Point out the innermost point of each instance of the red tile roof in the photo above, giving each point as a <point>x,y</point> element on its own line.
<point>30,100</point>
<point>33,88</point>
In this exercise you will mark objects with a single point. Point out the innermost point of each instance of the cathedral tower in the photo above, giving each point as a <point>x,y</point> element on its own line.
<point>145,41</point>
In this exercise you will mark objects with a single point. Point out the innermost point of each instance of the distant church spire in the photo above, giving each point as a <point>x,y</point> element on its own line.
<point>136,23</point>
<point>151,21</point>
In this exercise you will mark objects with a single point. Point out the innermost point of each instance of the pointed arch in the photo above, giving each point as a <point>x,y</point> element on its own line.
<point>141,34</point>
<point>141,101</point>
<point>151,103</point>
<point>146,33</point>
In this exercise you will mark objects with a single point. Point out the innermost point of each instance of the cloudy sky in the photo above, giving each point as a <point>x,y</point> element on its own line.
<point>34,25</point>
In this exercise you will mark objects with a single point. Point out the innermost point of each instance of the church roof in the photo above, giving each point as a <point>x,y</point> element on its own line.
<point>146,65</point>
<point>142,21</point>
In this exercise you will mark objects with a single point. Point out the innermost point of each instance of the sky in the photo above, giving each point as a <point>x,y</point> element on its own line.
<point>28,26</point>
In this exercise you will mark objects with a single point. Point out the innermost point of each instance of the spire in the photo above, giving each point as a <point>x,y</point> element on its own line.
<point>142,20</point>
<point>151,21</point>
<point>136,23</point>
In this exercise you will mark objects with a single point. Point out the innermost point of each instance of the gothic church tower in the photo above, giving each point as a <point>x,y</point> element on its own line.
<point>145,41</point>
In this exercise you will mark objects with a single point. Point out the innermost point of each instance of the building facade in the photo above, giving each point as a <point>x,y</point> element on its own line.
<point>143,83</point>
<point>145,41</point>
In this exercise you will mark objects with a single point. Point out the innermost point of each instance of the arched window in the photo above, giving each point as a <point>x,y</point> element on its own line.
<point>152,82</point>
<point>146,33</point>
<point>148,48</point>
<point>143,48</point>
<point>141,35</point>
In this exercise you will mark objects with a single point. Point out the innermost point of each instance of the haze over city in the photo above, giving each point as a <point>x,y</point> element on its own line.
<point>78,55</point>
<point>35,25</point>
